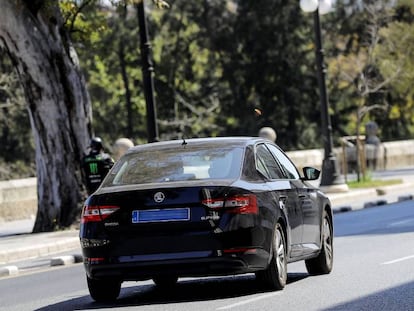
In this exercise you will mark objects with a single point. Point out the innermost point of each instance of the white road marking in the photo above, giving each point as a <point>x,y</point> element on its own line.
<point>399,223</point>
<point>398,260</point>
<point>245,302</point>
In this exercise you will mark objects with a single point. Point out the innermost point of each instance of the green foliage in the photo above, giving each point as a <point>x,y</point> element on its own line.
<point>189,89</point>
<point>215,63</point>
<point>106,38</point>
<point>17,169</point>
<point>396,54</point>
<point>373,183</point>
<point>262,68</point>
<point>85,23</point>
<point>218,61</point>
<point>371,67</point>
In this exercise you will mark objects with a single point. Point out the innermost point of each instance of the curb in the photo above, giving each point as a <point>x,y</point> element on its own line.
<point>407,197</point>
<point>66,260</point>
<point>55,261</point>
<point>9,270</point>
<point>340,201</point>
<point>380,193</point>
<point>370,204</point>
<point>27,246</point>
<point>35,251</point>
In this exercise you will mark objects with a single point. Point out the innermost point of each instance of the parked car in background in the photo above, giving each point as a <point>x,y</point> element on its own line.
<point>204,207</point>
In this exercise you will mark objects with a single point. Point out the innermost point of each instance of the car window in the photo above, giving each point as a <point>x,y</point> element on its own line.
<point>289,169</point>
<point>267,164</point>
<point>168,165</point>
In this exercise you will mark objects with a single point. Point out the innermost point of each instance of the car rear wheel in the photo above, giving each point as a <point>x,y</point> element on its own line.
<point>165,281</point>
<point>275,276</point>
<point>324,262</point>
<point>104,290</point>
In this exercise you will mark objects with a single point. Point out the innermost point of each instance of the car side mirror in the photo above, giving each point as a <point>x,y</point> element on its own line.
<point>311,173</point>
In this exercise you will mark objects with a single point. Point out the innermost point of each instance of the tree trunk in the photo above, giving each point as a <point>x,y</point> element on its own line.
<point>32,33</point>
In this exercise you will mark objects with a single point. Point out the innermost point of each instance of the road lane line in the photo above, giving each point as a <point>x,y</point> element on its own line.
<point>398,260</point>
<point>399,223</point>
<point>245,302</point>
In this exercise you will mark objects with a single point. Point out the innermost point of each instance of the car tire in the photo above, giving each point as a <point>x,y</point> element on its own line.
<point>275,275</point>
<point>165,281</point>
<point>323,263</point>
<point>104,290</point>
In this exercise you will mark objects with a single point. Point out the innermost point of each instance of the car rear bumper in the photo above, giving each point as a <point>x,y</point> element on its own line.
<point>221,264</point>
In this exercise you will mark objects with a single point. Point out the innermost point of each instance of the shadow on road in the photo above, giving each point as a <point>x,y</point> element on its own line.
<point>396,298</point>
<point>184,291</point>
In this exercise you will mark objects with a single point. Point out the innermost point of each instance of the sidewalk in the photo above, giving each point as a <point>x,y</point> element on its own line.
<point>17,248</point>
<point>356,199</point>
<point>17,243</point>
<point>26,246</point>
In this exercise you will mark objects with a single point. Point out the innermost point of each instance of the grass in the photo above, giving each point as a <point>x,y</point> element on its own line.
<point>372,183</point>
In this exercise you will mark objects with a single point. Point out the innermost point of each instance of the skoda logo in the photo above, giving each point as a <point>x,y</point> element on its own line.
<point>159,197</point>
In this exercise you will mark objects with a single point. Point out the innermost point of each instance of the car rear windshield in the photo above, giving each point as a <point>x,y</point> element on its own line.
<point>176,164</point>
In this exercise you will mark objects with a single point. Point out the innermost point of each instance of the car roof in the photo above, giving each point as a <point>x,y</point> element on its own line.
<point>241,141</point>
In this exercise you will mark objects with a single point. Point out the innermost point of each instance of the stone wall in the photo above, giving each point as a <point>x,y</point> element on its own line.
<point>18,199</point>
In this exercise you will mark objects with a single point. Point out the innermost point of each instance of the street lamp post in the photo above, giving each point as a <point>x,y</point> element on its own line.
<point>331,179</point>
<point>147,74</point>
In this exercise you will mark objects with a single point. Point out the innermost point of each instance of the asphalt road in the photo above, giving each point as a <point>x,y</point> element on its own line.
<point>373,270</point>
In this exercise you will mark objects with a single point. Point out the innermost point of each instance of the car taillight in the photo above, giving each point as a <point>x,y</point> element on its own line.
<point>94,213</point>
<point>94,260</point>
<point>238,204</point>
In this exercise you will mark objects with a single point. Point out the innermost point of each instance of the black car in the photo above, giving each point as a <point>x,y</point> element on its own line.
<point>204,207</point>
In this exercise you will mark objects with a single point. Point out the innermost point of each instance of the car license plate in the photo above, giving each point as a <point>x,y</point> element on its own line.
<point>160,215</point>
